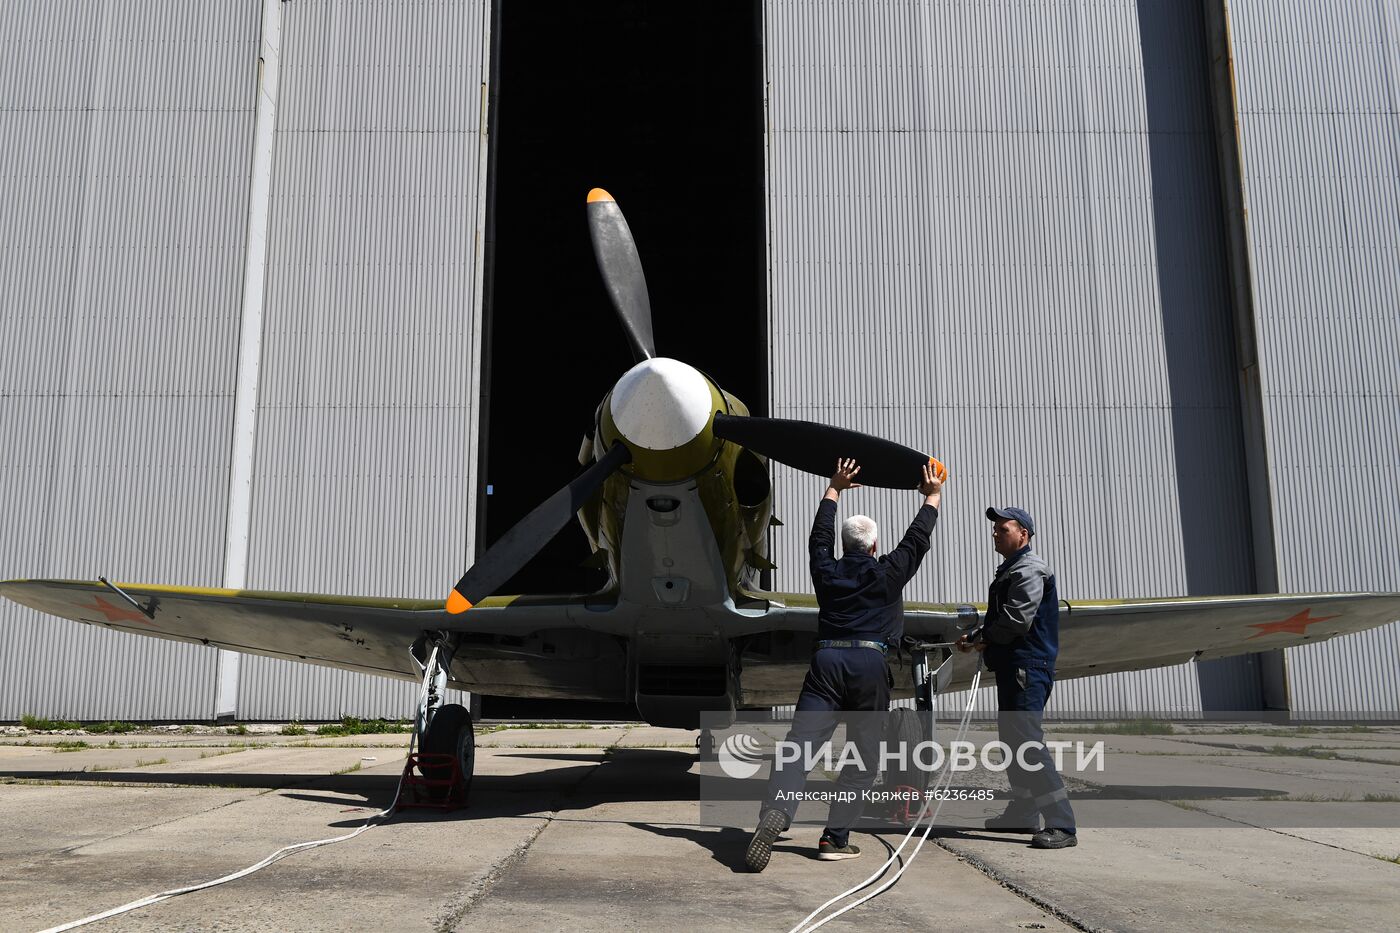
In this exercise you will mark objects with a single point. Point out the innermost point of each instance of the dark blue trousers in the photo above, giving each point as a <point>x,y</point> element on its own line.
<point>1021,697</point>
<point>841,680</point>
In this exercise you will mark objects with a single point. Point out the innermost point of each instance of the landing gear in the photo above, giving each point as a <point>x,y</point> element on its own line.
<point>907,728</point>
<point>446,756</point>
<point>449,734</point>
<point>705,745</point>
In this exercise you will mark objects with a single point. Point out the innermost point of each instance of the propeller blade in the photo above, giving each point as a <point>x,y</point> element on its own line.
<point>515,548</point>
<point>815,448</point>
<point>621,268</point>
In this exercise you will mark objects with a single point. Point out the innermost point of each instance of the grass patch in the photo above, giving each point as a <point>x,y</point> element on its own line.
<point>145,763</point>
<point>231,750</point>
<point>1295,732</point>
<point>293,728</point>
<point>1183,805</point>
<point>36,724</point>
<point>1395,859</point>
<point>75,746</point>
<point>355,767</point>
<point>239,729</point>
<point>104,728</point>
<point>1312,798</point>
<point>1381,798</point>
<point>351,725</point>
<point>1309,751</point>
<point>547,725</point>
<point>1127,727</point>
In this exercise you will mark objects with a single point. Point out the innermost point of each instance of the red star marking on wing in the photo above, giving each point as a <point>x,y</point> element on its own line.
<point>1293,625</point>
<point>119,613</point>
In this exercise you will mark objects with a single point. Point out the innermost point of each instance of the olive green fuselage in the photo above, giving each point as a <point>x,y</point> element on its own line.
<point>732,483</point>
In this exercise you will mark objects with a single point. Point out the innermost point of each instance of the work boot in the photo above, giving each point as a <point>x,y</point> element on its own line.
<point>1014,820</point>
<point>771,823</point>
<point>1054,839</point>
<point>829,851</point>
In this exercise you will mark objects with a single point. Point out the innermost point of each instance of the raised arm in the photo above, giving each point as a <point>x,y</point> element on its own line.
<point>904,560</point>
<point>821,543</point>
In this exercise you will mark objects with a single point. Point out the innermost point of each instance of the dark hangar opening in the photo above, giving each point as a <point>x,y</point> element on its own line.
<point>660,104</point>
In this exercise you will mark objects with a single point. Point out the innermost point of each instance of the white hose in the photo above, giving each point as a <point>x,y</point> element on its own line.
<point>947,773</point>
<point>280,853</point>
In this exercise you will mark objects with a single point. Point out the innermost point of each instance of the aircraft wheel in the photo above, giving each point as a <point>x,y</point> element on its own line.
<point>450,733</point>
<point>705,745</point>
<point>907,727</point>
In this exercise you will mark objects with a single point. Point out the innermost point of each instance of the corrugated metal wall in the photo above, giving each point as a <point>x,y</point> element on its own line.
<point>1319,113</point>
<point>124,142</point>
<point>953,189</point>
<point>127,151</point>
<point>367,411</point>
<point>995,234</point>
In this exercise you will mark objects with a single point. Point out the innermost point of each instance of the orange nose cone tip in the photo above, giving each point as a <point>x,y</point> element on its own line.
<point>939,469</point>
<point>457,603</point>
<point>598,194</point>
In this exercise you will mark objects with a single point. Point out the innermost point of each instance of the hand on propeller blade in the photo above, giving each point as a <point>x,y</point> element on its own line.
<point>812,448</point>
<point>845,476</point>
<point>932,484</point>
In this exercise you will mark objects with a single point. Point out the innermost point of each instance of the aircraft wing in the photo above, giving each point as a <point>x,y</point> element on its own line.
<point>1129,635</point>
<point>1104,637</point>
<point>509,643</point>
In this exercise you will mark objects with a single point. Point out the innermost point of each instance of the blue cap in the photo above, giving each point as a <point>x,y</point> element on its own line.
<point>1014,513</point>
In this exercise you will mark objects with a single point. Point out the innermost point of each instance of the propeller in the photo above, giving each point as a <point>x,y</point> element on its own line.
<point>529,535</point>
<point>815,448</point>
<point>804,445</point>
<point>621,268</point>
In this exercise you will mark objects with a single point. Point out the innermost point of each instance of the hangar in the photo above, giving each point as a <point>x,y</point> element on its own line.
<point>299,297</point>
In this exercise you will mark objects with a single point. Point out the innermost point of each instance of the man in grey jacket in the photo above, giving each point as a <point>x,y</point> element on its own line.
<point>1020,639</point>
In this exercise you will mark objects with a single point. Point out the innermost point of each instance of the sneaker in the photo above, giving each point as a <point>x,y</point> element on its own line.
<point>1012,822</point>
<point>1054,839</point>
<point>770,824</point>
<point>828,851</point>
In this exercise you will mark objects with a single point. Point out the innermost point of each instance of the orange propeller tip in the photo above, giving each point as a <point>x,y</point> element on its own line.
<point>598,194</point>
<point>940,469</point>
<point>457,603</point>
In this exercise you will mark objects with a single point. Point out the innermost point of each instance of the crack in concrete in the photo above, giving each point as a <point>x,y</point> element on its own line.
<point>1023,892</point>
<point>456,911</point>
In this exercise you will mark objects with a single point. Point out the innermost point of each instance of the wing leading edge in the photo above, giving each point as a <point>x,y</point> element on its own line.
<point>366,634</point>
<point>1103,637</point>
<point>573,647</point>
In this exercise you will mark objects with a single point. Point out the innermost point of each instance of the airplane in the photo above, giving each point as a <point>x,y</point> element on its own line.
<point>676,502</point>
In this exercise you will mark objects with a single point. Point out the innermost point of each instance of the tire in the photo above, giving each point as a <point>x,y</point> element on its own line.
<point>909,727</point>
<point>450,733</point>
<point>705,746</point>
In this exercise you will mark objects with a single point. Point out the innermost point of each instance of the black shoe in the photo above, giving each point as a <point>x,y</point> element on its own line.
<point>770,824</point>
<point>1054,839</point>
<point>828,851</point>
<point>1011,822</point>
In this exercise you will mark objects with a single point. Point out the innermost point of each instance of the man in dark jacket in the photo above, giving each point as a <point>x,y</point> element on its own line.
<point>1020,639</point>
<point>860,616</point>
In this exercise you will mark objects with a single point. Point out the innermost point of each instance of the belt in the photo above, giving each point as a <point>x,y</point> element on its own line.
<point>852,643</point>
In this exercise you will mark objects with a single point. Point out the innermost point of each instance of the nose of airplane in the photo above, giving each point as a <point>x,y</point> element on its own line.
<point>661,404</point>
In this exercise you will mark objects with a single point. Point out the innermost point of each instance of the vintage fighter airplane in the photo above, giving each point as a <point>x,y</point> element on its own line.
<point>676,504</point>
